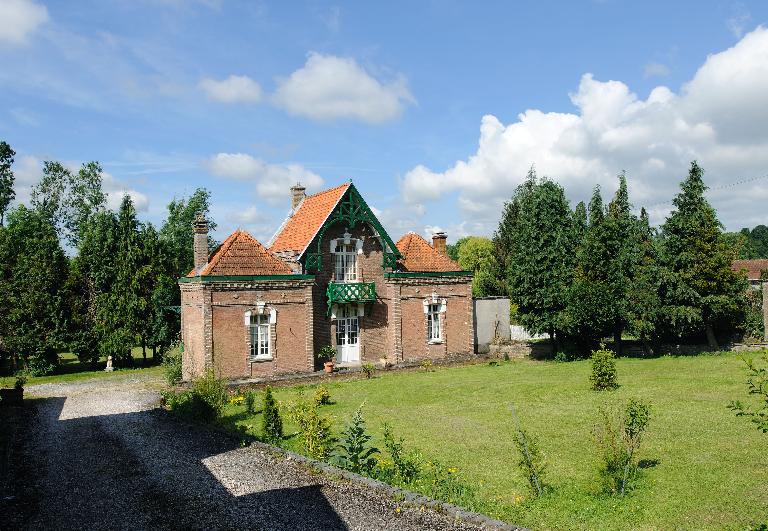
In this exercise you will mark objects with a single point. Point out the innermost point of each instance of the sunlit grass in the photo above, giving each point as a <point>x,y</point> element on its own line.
<point>710,467</point>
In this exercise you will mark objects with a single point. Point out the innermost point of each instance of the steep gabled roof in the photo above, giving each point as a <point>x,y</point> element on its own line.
<point>242,254</point>
<point>420,256</point>
<point>300,229</point>
<point>753,267</point>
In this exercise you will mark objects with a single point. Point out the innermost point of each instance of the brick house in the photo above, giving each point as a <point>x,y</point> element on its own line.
<point>753,269</point>
<point>331,275</point>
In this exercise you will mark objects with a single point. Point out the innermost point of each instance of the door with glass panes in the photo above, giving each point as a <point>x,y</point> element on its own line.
<point>347,334</point>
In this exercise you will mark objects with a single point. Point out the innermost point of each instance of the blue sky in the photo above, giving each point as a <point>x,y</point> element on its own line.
<point>434,109</point>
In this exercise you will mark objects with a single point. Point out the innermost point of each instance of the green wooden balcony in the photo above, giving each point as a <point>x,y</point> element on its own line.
<point>341,293</point>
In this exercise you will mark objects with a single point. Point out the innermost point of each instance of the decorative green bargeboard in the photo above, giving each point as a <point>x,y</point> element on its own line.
<point>341,293</point>
<point>351,210</point>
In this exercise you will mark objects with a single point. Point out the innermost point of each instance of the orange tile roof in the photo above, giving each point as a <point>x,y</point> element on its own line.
<point>242,254</point>
<point>419,255</point>
<point>300,229</point>
<point>753,267</point>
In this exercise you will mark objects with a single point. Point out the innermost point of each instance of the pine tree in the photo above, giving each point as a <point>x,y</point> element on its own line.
<point>537,226</point>
<point>698,255</point>
<point>7,193</point>
<point>644,295</point>
<point>271,423</point>
<point>33,272</point>
<point>589,312</point>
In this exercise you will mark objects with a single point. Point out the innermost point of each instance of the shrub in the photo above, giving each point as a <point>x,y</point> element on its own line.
<point>603,375</point>
<point>314,429</point>
<point>172,366</point>
<point>561,357</point>
<point>250,402</point>
<point>406,466</point>
<point>322,396</point>
<point>506,356</point>
<point>426,365</point>
<point>354,452</point>
<point>39,366</point>
<point>368,369</point>
<point>531,462</point>
<point>21,379</point>
<point>757,384</point>
<point>618,438</point>
<point>211,392</point>
<point>271,423</point>
<point>203,402</point>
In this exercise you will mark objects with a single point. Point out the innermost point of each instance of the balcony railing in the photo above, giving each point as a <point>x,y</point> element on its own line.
<point>340,293</point>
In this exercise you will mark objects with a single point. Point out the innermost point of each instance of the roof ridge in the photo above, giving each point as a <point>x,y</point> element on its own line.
<point>326,191</point>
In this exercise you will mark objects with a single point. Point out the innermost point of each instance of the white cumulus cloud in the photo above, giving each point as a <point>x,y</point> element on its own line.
<point>273,181</point>
<point>19,19</point>
<point>329,88</point>
<point>233,89</point>
<point>718,117</point>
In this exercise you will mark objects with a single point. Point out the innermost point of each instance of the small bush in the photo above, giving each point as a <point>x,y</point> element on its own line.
<point>271,423</point>
<point>618,438</point>
<point>531,462</point>
<point>314,429</point>
<point>172,366</point>
<point>405,466</point>
<point>757,385</point>
<point>603,375</point>
<point>354,452</point>
<point>250,402</point>
<point>322,396</point>
<point>22,377</point>
<point>368,369</point>
<point>210,391</point>
<point>203,403</point>
<point>39,366</point>
<point>562,357</point>
<point>506,356</point>
<point>426,365</point>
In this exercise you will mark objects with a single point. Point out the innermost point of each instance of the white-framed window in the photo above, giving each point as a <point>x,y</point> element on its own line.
<point>346,263</point>
<point>345,251</point>
<point>433,307</point>
<point>259,323</point>
<point>434,330</point>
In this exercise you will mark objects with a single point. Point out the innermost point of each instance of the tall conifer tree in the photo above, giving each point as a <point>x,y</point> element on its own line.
<point>697,253</point>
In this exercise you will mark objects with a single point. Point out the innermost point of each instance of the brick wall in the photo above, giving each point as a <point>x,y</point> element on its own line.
<point>192,330</point>
<point>227,348</point>
<point>457,322</point>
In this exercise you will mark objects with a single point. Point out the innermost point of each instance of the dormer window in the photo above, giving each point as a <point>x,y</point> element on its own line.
<point>345,251</point>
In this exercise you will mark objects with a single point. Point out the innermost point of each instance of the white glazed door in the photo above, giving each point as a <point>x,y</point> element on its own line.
<point>347,334</point>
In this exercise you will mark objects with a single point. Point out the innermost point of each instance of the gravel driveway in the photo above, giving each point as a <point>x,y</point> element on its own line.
<point>99,454</point>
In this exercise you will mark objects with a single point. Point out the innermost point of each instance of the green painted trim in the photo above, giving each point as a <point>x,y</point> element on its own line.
<point>420,274</point>
<point>350,209</point>
<point>237,278</point>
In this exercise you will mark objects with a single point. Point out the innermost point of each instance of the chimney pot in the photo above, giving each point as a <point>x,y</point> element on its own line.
<point>200,230</point>
<point>298,193</point>
<point>439,242</point>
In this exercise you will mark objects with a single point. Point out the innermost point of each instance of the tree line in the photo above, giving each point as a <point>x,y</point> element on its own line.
<point>598,270</point>
<point>117,290</point>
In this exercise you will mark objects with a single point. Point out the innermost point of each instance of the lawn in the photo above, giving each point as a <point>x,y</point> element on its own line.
<point>709,468</point>
<point>70,369</point>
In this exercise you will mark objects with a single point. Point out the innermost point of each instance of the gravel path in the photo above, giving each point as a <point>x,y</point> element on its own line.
<point>99,454</point>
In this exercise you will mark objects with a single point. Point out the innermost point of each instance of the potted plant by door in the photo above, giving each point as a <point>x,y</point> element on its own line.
<point>327,355</point>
